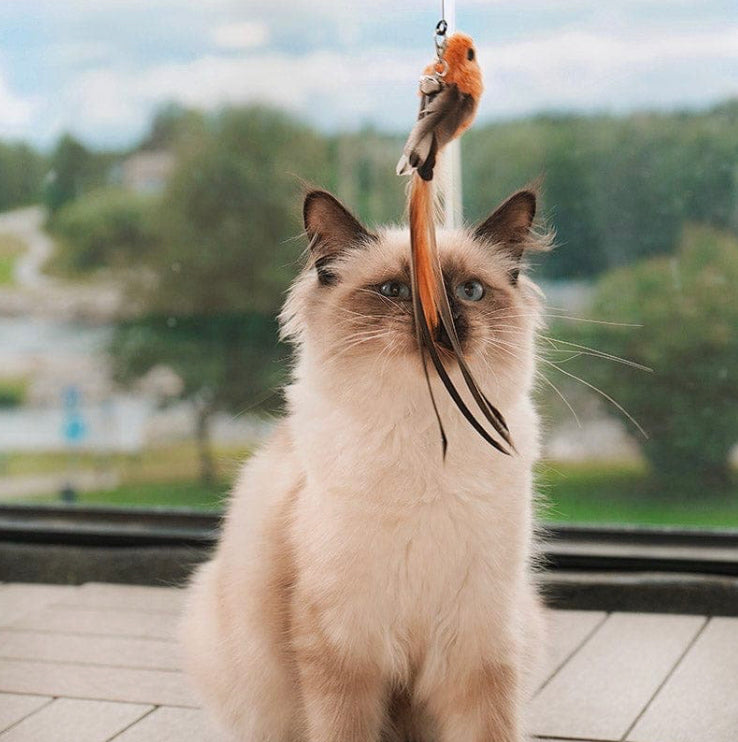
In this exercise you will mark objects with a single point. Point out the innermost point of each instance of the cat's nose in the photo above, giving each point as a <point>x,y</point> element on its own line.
<point>442,337</point>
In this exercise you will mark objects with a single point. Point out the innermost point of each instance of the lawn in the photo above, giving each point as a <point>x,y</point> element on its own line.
<point>570,493</point>
<point>10,248</point>
<point>612,493</point>
<point>159,494</point>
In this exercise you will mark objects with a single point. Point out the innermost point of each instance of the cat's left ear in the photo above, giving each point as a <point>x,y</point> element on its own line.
<point>509,226</point>
<point>331,229</point>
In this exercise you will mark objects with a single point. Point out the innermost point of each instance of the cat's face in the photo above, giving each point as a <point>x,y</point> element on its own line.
<point>352,307</point>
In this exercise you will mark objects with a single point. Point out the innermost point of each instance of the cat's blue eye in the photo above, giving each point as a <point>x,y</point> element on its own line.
<point>470,291</point>
<point>395,290</point>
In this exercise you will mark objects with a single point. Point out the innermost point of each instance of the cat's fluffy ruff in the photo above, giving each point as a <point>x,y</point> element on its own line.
<point>357,570</point>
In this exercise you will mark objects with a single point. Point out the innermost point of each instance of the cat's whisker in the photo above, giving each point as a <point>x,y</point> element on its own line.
<point>353,341</point>
<point>586,350</point>
<point>593,321</point>
<point>558,391</point>
<point>601,393</point>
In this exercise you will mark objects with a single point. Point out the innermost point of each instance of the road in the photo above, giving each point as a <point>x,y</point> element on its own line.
<point>27,225</point>
<point>37,295</point>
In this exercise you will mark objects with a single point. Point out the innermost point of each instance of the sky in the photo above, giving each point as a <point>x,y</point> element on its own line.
<point>99,68</point>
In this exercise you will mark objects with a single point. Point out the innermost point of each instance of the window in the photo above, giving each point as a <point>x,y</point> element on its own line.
<point>150,174</point>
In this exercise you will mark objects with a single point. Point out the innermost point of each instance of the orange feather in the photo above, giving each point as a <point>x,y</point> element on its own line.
<point>424,262</point>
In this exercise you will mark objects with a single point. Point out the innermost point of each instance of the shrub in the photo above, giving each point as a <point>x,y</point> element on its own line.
<point>686,306</point>
<point>107,228</point>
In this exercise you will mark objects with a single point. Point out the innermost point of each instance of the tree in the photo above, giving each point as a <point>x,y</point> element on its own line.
<point>109,228</point>
<point>21,174</point>
<point>231,214</point>
<point>225,362</point>
<point>686,306</point>
<point>226,252</point>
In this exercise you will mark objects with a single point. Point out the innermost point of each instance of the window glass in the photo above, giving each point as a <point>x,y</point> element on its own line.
<point>152,161</point>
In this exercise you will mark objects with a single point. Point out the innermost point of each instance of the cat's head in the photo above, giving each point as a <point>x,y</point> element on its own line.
<point>351,309</point>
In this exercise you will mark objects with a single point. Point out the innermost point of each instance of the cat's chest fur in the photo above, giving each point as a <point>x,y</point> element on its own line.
<point>401,546</point>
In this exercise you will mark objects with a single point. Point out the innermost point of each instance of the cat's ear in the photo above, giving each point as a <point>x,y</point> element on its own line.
<point>331,229</point>
<point>509,226</point>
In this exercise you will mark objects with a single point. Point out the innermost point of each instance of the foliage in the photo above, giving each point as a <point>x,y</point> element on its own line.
<point>171,126</point>
<point>106,228</point>
<point>231,214</point>
<point>75,170</point>
<point>12,392</point>
<point>227,226</point>
<point>362,174</point>
<point>686,306</point>
<point>226,362</point>
<point>10,248</point>
<point>22,171</point>
<point>616,189</point>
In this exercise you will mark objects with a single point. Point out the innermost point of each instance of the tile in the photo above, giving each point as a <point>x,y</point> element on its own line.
<point>18,600</point>
<point>68,720</point>
<point>13,707</point>
<point>112,651</point>
<point>700,700</point>
<point>99,622</point>
<point>567,630</point>
<point>603,688</point>
<point>127,597</point>
<point>157,687</point>
<point>173,725</point>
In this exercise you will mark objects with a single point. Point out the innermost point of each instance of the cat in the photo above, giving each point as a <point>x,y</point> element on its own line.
<point>365,588</point>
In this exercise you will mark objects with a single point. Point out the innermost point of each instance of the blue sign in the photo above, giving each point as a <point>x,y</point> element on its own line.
<point>74,428</point>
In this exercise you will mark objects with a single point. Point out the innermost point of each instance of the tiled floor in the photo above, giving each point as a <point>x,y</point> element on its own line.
<point>98,662</point>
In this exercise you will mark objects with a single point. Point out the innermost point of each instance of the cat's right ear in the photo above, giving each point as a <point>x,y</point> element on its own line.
<point>331,229</point>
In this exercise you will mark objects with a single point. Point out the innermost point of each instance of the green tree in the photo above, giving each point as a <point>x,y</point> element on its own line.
<point>225,361</point>
<point>231,216</point>
<point>22,171</point>
<point>172,125</point>
<point>109,228</point>
<point>686,306</point>
<point>75,170</point>
<point>228,228</point>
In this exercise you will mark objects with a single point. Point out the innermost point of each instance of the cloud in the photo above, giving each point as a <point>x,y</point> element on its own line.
<point>586,70</point>
<point>16,113</point>
<point>247,35</point>
<point>571,69</point>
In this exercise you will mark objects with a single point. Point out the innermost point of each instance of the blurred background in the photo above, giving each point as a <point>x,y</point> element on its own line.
<point>152,157</point>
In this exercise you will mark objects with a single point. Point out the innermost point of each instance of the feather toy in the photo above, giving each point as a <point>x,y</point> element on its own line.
<point>450,89</point>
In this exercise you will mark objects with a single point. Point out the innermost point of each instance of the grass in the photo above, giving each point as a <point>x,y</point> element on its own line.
<point>625,493</point>
<point>158,477</point>
<point>10,248</point>
<point>13,392</point>
<point>571,493</point>
<point>175,463</point>
<point>156,495</point>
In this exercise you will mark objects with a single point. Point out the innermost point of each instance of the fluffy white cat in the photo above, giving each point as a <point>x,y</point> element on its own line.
<point>364,588</point>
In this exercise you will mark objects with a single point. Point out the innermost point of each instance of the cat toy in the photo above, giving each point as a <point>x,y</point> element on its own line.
<point>450,89</point>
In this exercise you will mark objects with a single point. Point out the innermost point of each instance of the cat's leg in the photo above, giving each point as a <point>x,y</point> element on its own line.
<point>480,703</point>
<point>344,695</point>
<point>238,669</point>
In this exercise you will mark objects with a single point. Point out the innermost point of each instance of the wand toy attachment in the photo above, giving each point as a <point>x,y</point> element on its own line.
<point>450,89</point>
